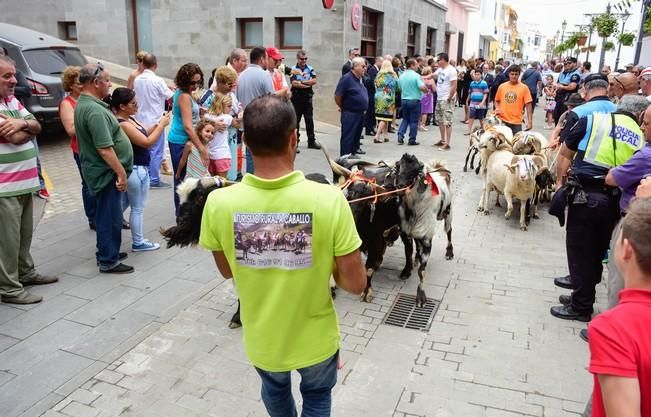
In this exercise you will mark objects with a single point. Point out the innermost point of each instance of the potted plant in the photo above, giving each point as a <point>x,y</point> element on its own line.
<point>584,49</point>
<point>572,41</point>
<point>609,46</point>
<point>592,48</point>
<point>626,38</point>
<point>606,24</point>
<point>581,38</point>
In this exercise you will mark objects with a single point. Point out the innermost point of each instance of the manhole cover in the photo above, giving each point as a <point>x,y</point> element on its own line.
<point>405,313</point>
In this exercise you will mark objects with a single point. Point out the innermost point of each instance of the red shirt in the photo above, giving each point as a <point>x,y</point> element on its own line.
<point>73,138</point>
<point>620,345</point>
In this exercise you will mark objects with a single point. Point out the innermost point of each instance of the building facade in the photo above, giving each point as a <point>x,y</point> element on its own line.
<point>534,42</point>
<point>483,31</point>
<point>456,33</point>
<point>204,31</point>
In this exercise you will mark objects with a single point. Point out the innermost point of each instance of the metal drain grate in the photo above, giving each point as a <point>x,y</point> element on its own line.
<point>404,313</point>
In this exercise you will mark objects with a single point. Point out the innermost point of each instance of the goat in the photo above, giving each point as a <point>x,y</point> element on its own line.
<point>513,176</point>
<point>376,219</point>
<point>427,200</point>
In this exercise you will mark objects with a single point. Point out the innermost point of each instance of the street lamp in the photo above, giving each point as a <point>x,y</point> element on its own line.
<point>563,26</point>
<point>556,42</point>
<point>625,16</point>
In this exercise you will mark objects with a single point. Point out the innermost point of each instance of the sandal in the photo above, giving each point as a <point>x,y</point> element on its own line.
<point>444,148</point>
<point>439,143</point>
<point>375,140</point>
<point>386,139</point>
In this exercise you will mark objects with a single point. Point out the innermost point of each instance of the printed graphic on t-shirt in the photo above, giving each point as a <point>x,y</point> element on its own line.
<point>511,97</point>
<point>273,240</point>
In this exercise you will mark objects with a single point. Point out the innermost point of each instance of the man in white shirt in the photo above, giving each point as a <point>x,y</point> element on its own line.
<point>446,89</point>
<point>151,93</point>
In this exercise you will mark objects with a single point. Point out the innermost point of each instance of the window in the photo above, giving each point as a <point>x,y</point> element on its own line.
<point>53,61</point>
<point>68,31</point>
<point>290,32</point>
<point>250,32</point>
<point>430,41</point>
<point>536,41</point>
<point>412,38</point>
<point>370,21</point>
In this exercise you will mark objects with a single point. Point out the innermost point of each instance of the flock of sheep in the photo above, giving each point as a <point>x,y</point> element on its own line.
<point>517,166</point>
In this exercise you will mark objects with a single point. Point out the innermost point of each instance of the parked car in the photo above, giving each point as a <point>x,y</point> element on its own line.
<point>41,58</point>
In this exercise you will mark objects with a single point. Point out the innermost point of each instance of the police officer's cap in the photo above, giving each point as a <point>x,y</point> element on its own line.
<point>594,77</point>
<point>571,59</point>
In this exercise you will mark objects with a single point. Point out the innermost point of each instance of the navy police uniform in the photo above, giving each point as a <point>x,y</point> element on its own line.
<point>302,101</point>
<point>602,139</point>
<point>565,78</point>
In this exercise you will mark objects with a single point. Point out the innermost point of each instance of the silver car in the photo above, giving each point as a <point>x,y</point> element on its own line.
<point>41,59</point>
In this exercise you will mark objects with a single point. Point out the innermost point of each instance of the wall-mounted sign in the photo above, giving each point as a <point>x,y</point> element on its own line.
<point>328,3</point>
<point>356,16</point>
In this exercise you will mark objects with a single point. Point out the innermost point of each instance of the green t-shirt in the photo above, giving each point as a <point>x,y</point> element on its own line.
<point>280,238</point>
<point>410,84</point>
<point>96,127</point>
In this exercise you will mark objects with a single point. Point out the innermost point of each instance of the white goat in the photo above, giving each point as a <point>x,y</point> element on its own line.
<point>513,176</point>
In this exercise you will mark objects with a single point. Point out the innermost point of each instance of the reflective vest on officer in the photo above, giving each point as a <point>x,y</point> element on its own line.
<point>613,139</point>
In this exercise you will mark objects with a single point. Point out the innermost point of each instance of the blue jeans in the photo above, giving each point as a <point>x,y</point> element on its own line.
<point>231,175</point>
<point>317,382</point>
<point>86,196</point>
<point>176,152</point>
<point>351,129</point>
<point>410,114</point>
<point>137,190</point>
<point>156,153</point>
<point>249,161</point>
<point>108,224</point>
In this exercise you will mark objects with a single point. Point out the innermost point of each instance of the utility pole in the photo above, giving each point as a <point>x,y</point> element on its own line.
<point>640,34</point>
<point>602,57</point>
<point>625,17</point>
<point>587,55</point>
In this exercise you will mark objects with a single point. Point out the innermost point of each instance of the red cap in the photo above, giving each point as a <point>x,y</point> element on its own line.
<point>274,53</point>
<point>645,72</point>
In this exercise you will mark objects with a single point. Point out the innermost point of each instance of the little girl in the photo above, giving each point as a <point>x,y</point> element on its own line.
<point>550,102</point>
<point>220,154</point>
<point>427,100</point>
<point>191,157</point>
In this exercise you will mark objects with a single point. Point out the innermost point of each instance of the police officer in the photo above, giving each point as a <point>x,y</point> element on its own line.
<point>597,137</point>
<point>568,83</point>
<point>303,79</point>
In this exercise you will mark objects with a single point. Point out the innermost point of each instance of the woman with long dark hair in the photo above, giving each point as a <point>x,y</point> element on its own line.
<point>124,105</point>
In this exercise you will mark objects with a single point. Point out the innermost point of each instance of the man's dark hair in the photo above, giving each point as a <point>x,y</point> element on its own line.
<point>149,61</point>
<point>636,227</point>
<point>587,65</point>
<point>257,54</point>
<point>444,56</point>
<point>431,61</point>
<point>268,122</point>
<point>411,62</point>
<point>514,68</point>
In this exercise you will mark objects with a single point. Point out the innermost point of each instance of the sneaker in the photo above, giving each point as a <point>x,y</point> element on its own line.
<point>118,269</point>
<point>159,184</point>
<point>39,279</point>
<point>313,145</point>
<point>125,225</point>
<point>145,246</point>
<point>121,257</point>
<point>24,297</point>
<point>43,194</point>
<point>401,141</point>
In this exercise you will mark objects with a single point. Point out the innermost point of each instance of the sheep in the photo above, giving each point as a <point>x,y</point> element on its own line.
<point>493,138</point>
<point>514,176</point>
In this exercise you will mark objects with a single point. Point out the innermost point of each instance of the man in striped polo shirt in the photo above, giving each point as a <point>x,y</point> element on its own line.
<point>18,180</point>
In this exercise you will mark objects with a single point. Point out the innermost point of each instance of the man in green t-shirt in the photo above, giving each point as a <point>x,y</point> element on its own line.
<point>280,237</point>
<point>106,158</point>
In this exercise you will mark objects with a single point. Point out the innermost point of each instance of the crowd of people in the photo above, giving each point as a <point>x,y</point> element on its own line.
<point>601,122</point>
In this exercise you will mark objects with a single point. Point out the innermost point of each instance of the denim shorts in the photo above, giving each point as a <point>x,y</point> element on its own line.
<point>477,114</point>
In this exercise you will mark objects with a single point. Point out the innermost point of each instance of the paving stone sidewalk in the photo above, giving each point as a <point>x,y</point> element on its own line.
<point>156,342</point>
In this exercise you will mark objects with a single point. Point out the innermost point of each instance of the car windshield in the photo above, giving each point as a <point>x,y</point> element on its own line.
<point>53,61</point>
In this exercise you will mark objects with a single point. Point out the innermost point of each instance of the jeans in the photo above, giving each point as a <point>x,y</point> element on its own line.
<point>176,152</point>
<point>317,382</point>
<point>108,224</point>
<point>157,153</point>
<point>351,129</point>
<point>231,175</point>
<point>86,196</point>
<point>41,180</point>
<point>137,190</point>
<point>410,114</point>
<point>515,128</point>
<point>249,161</point>
<point>16,227</point>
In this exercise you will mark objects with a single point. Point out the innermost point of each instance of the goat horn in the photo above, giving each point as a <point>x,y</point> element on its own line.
<point>336,168</point>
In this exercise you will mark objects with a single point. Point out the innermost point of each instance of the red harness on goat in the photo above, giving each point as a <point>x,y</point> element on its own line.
<point>429,180</point>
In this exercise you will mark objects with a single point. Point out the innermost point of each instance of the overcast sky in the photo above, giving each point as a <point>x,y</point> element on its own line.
<point>549,14</point>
